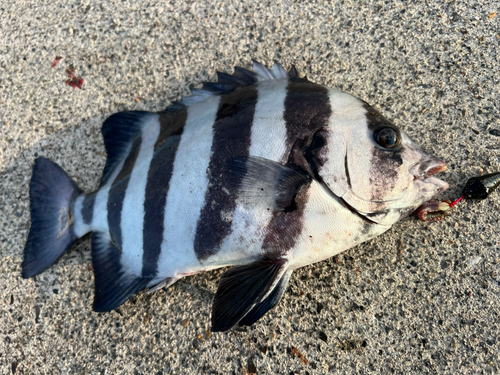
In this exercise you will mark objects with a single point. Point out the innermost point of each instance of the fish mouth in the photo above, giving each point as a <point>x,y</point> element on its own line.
<point>427,166</point>
<point>436,169</point>
<point>427,171</point>
<point>433,170</point>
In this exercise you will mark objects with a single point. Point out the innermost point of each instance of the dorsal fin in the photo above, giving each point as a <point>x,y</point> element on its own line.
<point>121,129</point>
<point>227,83</point>
<point>119,132</point>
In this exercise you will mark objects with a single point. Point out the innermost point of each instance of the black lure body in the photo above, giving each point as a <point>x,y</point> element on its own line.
<point>480,187</point>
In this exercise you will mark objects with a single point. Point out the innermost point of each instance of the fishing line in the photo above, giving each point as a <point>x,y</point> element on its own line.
<point>479,187</point>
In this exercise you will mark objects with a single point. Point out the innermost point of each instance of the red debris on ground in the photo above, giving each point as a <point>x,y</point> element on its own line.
<point>296,353</point>
<point>70,72</point>
<point>56,61</point>
<point>74,81</point>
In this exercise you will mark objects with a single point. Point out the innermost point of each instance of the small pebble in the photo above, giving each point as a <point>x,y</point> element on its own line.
<point>495,132</point>
<point>474,261</point>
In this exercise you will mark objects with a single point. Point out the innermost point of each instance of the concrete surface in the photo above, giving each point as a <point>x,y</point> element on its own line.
<point>421,299</point>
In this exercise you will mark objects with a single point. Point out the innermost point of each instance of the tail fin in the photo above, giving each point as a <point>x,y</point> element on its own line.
<point>52,194</point>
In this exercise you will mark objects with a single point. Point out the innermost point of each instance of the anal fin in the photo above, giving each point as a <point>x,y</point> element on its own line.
<point>243,287</point>
<point>113,284</point>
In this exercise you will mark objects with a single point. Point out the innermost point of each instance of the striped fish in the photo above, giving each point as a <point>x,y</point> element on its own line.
<point>263,171</point>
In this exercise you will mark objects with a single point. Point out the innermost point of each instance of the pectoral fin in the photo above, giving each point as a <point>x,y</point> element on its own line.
<point>243,288</point>
<point>266,183</point>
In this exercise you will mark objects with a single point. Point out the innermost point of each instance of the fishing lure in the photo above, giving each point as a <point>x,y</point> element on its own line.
<point>475,188</point>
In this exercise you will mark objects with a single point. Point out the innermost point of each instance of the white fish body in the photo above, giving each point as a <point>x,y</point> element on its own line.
<point>263,171</point>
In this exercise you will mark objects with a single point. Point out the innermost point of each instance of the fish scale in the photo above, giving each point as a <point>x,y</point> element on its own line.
<point>263,171</point>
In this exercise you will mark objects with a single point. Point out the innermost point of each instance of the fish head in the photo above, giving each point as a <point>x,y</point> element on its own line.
<point>371,164</point>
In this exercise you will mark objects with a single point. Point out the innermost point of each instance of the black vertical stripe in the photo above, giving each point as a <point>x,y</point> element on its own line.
<point>157,187</point>
<point>374,118</point>
<point>383,174</point>
<point>88,209</point>
<point>231,137</point>
<point>307,110</point>
<point>171,123</point>
<point>117,194</point>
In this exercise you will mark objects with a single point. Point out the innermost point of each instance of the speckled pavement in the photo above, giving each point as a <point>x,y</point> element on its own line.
<point>424,298</point>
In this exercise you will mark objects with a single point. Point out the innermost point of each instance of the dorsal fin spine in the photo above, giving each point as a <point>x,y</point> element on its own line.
<point>227,83</point>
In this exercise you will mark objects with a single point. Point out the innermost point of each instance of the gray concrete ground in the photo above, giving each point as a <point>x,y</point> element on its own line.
<point>421,299</point>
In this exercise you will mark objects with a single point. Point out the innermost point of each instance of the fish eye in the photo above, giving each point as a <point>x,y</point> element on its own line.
<point>387,137</point>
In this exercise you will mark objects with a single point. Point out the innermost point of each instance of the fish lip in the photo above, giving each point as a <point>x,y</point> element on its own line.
<point>440,185</point>
<point>436,169</point>
<point>439,166</point>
